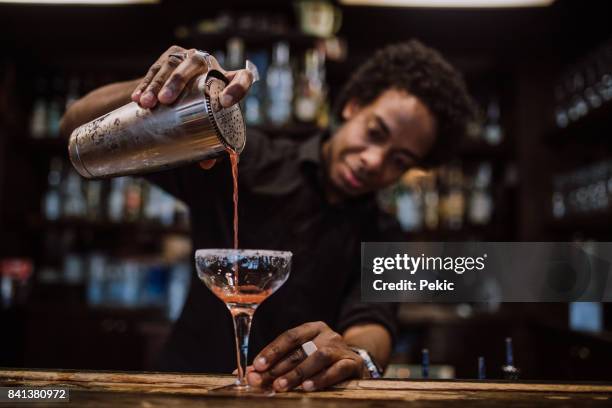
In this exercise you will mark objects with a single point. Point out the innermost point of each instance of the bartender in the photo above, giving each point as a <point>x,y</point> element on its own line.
<point>404,107</point>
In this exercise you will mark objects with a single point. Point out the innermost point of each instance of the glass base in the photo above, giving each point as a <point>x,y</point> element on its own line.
<point>237,390</point>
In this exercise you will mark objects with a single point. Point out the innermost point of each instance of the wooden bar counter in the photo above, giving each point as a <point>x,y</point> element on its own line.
<point>122,389</point>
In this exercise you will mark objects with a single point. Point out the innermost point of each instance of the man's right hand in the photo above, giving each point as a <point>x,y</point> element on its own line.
<point>168,76</point>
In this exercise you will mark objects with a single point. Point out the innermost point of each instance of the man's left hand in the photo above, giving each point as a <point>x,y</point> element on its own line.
<point>285,365</point>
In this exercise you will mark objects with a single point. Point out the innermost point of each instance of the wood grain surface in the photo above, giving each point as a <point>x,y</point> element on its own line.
<point>123,389</point>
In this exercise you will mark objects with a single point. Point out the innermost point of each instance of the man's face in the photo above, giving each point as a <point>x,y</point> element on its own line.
<point>378,142</point>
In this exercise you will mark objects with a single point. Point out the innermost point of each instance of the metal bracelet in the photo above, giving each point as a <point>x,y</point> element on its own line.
<point>373,368</point>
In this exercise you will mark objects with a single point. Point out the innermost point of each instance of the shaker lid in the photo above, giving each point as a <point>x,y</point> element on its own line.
<point>228,122</point>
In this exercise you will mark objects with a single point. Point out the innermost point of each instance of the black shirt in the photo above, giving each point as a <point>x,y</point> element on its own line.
<point>281,206</point>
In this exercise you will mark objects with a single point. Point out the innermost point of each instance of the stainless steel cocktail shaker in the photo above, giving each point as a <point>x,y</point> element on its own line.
<point>134,140</point>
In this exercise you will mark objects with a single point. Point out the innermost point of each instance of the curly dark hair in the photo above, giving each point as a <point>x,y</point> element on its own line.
<point>423,72</point>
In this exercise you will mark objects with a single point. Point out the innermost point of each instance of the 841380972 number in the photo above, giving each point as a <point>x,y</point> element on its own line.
<point>31,394</point>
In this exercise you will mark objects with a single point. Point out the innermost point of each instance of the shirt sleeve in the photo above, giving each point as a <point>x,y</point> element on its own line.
<point>355,312</point>
<point>385,228</point>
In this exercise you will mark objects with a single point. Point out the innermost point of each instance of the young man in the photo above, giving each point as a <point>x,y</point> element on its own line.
<point>404,107</point>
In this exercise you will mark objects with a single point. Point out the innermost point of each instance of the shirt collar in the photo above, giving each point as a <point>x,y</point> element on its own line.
<point>311,150</point>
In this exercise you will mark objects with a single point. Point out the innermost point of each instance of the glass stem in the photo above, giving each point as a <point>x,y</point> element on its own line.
<point>242,329</point>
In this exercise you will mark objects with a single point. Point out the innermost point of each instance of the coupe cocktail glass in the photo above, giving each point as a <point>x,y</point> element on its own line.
<point>242,278</point>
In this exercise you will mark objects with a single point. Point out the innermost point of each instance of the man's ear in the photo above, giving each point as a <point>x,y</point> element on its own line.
<point>350,109</point>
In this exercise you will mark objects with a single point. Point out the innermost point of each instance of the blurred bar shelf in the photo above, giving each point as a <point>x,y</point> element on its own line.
<point>47,145</point>
<point>593,223</point>
<point>465,233</point>
<point>125,227</point>
<point>251,38</point>
<point>482,151</point>
<point>293,131</point>
<point>595,127</point>
<point>95,336</point>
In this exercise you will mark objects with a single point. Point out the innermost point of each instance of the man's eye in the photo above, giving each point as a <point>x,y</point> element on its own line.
<point>375,134</point>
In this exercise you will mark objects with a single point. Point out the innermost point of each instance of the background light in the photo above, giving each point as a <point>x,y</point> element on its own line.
<point>449,3</point>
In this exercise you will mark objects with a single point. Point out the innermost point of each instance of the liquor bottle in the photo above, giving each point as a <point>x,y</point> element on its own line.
<point>133,199</point>
<point>96,279</point>
<point>493,132</point>
<point>561,118</point>
<point>73,271</point>
<point>409,209</point>
<point>167,209</point>
<point>579,105</point>
<point>454,200</point>
<point>93,195</point>
<point>253,104</point>
<point>310,88</point>
<point>178,287</point>
<point>152,207</point>
<point>116,199</point>
<point>73,198</point>
<point>38,119</point>
<point>431,202</point>
<point>279,86</point>
<point>55,108</point>
<point>52,205</point>
<point>235,54</point>
<point>481,203</point>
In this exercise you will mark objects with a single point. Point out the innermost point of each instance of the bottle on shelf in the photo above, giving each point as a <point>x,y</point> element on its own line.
<point>493,132</point>
<point>73,200</point>
<point>431,201</point>
<point>583,87</point>
<point>582,191</point>
<point>409,201</point>
<point>558,202</point>
<point>52,206</point>
<point>55,108</point>
<point>94,197</point>
<point>254,101</point>
<point>38,118</point>
<point>159,206</point>
<point>310,90</point>
<point>561,115</point>
<point>133,199</point>
<point>235,54</point>
<point>481,202</point>
<point>96,278</point>
<point>453,202</point>
<point>279,86</point>
<point>116,199</point>
<point>178,287</point>
<point>73,269</point>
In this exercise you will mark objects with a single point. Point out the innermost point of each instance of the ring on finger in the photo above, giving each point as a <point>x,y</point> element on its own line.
<point>309,348</point>
<point>180,56</point>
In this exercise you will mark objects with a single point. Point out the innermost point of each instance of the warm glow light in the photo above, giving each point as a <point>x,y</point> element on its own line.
<point>81,2</point>
<point>449,3</point>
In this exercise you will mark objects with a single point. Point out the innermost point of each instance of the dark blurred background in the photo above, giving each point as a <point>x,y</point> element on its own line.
<point>94,273</point>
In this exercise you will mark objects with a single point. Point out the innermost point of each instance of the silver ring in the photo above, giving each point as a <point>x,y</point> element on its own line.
<point>180,56</point>
<point>309,347</point>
